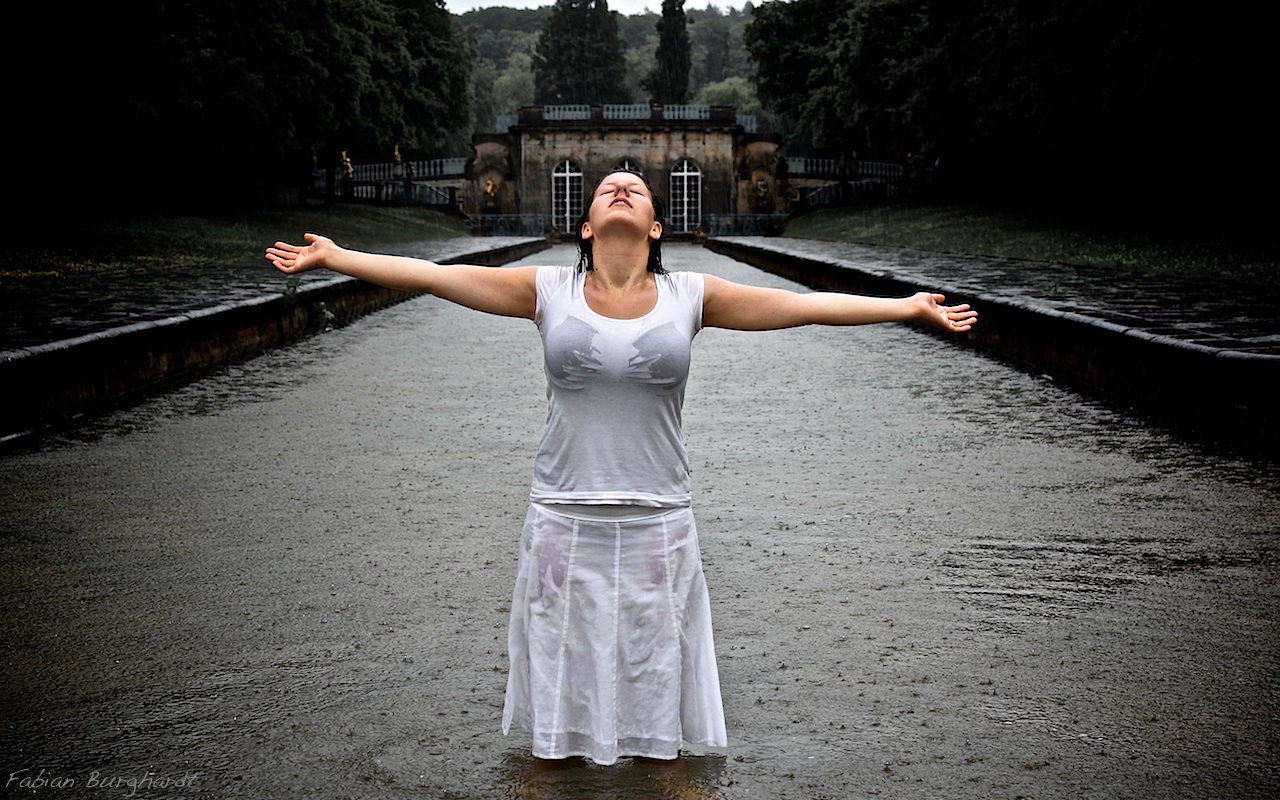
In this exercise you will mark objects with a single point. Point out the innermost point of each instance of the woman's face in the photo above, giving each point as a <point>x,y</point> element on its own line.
<point>624,199</point>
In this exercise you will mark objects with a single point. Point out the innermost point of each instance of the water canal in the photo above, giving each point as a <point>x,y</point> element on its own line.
<point>932,575</point>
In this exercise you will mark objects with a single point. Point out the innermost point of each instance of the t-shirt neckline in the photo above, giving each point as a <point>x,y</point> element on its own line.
<point>582,293</point>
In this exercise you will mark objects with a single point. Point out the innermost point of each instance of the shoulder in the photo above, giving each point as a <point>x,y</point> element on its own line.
<point>554,285</point>
<point>689,287</point>
<point>550,278</point>
<point>714,284</point>
<point>556,273</point>
<point>719,290</point>
<point>686,282</point>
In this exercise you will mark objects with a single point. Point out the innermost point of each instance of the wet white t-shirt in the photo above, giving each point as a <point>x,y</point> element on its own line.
<point>615,392</point>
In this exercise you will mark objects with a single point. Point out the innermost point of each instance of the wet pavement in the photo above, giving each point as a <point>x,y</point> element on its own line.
<point>932,575</point>
<point>1221,314</point>
<point>92,301</point>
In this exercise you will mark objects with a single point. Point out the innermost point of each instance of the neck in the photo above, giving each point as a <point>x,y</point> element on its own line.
<point>620,267</point>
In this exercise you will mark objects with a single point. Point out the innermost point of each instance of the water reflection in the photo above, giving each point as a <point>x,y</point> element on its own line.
<point>690,777</point>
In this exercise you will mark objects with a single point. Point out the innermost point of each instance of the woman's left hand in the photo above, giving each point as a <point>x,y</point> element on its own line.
<point>956,319</point>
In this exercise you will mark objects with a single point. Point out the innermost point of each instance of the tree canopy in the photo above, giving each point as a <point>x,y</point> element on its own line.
<point>221,100</point>
<point>716,48</point>
<point>668,81</point>
<point>1055,94</point>
<point>504,36</point>
<point>579,58</point>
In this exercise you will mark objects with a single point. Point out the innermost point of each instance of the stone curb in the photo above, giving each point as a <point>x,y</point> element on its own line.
<point>1222,395</point>
<point>51,385</point>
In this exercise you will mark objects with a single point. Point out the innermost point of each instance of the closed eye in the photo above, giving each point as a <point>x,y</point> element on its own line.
<point>613,189</point>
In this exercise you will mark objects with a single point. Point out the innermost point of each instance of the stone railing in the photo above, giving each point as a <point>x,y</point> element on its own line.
<point>625,112</point>
<point>399,170</point>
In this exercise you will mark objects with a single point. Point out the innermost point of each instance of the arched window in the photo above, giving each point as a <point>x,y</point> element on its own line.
<point>628,164</point>
<point>566,196</point>
<point>686,197</point>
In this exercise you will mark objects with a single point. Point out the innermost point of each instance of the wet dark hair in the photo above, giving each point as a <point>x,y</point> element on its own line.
<point>585,260</point>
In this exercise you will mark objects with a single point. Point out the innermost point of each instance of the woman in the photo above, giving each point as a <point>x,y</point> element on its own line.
<point>610,637</point>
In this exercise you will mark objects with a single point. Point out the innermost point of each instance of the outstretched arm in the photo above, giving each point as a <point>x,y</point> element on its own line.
<point>753,308</point>
<point>508,292</point>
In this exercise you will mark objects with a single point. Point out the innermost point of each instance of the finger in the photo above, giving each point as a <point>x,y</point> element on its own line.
<point>959,319</point>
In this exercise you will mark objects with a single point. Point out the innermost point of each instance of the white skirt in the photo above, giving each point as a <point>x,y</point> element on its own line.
<point>610,638</point>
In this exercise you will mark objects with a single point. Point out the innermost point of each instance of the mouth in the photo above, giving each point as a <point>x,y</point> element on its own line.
<point>621,200</point>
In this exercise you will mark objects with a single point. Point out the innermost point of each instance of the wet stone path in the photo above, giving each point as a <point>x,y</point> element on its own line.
<point>931,576</point>
<point>93,301</point>
<point>1210,313</point>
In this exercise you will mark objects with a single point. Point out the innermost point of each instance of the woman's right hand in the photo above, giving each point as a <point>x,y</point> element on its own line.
<point>509,292</point>
<point>292,259</point>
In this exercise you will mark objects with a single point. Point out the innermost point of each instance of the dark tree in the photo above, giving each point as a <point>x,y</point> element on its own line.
<point>580,58</point>
<point>218,102</point>
<point>499,32</point>
<point>716,48</point>
<point>669,80</point>
<point>1126,103</point>
<point>791,44</point>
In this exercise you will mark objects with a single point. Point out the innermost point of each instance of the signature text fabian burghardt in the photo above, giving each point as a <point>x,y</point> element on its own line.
<point>129,784</point>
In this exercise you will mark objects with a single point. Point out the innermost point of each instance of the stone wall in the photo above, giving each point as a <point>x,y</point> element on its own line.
<point>655,152</point>
<point>512,173</point>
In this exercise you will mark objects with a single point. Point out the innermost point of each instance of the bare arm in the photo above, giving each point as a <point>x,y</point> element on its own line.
<point>753,308</point>
<point>507,292</point>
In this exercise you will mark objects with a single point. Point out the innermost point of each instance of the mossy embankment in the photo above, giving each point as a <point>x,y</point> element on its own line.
<point>1183,251</point>
<point>97,247</point>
